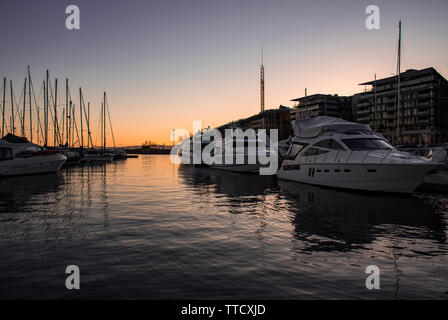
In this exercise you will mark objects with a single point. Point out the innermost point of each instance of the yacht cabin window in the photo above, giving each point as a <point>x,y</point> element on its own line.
<point>24,154</point>
<point>313,152</point>
<point>294,150</point>
<point>367,144</point>
<point>329,144</point>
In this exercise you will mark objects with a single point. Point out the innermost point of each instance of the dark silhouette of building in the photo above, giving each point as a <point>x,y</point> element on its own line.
<point>269,119</point>
<point>423,107</point>
<point>322,105</point>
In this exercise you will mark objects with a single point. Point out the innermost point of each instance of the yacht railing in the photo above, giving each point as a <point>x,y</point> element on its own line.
<point>386,156</point>
<point>366,155</point>
<point>348,158</point>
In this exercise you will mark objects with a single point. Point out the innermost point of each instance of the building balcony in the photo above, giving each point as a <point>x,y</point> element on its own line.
<point>364,104</point>
<point>425,95</point>
<point>424,113</point>
<point>364,112</point>
<point>364,119</point>
<point>425,104</point>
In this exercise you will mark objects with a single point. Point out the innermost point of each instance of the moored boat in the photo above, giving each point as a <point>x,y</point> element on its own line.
<point>94,155</point>
<point>245,154</point>
<point>332,152</point>
<point>18,156</point>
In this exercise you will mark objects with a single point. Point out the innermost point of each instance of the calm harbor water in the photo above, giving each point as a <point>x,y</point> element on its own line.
<point>145,228</point>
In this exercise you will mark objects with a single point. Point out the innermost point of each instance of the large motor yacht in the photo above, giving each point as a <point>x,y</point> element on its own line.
<point>332,152</point>
<point>18,156</point>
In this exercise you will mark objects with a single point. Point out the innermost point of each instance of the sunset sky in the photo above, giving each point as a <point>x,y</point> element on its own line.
<point>166,63</point>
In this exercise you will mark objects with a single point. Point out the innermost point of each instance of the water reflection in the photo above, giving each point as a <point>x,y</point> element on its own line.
<point>323,219</point>
<point>16,193</point>
<point>345,220</point>
<point>227,183</point>
<point>152,229</point>
<point>53,207</point>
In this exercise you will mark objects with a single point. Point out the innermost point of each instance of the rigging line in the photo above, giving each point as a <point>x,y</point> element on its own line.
<point>89,137</point>
<point>76,130</point>
<point>72,114</point>
<point>5,121</point>
<point>403,54</point>
<point>98,130</point>
<point>110,122</point>
<point>39,125</point>
<point>394,61</point>
<point>55,124</point>
<point>18,104</point>
<point>68,114</point>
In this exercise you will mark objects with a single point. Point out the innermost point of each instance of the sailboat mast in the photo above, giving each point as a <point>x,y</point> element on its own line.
<point>12,108</point>
<point>69,115</point>
<point>46,108</point>
<point>3,107</point>
<point>104,120</point>
<point>45,114</point>
<point>101,125</point>
<point>398,82</point>
<point>80,114</point>
<point>24,111</point>
<point>31,110</point>
<point>72,126</point>
<point>88,127</point>
<point>56,127</point>
<point>66,112</point>
<point>374,112</point>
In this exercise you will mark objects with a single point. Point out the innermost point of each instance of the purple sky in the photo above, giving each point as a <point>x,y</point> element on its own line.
<point>166,63</point>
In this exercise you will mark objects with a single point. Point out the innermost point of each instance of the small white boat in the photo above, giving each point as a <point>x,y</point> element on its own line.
<point>18,156</point>
<point>73,156</point>
<point>332,152</point>
<point>97,156</point>
<point>188,153</point>
<point>118,153</point>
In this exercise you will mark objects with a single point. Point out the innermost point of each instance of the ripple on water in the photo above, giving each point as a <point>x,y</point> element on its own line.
<point>145,228</point>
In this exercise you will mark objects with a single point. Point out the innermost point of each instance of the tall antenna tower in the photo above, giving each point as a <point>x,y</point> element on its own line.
<point>261,82</point>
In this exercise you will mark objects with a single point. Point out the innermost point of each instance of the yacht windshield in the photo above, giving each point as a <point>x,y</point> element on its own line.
<point>367,144</point>
<point>294,150</point>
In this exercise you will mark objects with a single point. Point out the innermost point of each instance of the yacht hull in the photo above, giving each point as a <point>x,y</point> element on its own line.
<point>387,177</point>
<point>250,168</point>
<point>32,165</point>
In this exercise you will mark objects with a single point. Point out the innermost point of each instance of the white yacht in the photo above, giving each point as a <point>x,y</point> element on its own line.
<point>191,153</point>
<point>18,156</point>
<point>245,149</point>
<point>332,152</point>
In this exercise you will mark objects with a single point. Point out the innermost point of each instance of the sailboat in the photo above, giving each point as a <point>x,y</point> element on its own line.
<point>101,154</point>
